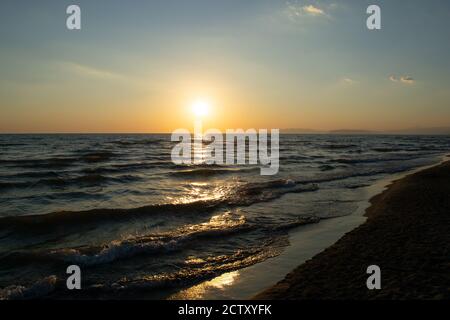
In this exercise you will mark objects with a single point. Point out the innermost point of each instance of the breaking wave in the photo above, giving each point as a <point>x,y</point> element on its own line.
<point>239,195</point>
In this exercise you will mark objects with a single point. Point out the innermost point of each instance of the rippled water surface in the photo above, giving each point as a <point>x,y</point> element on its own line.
<point>134,222</point>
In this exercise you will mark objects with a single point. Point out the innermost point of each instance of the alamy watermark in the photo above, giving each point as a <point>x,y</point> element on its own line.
<point>73,282</point>
<point>374,280</point>
<point>236,146</point>
<point>73,20</point>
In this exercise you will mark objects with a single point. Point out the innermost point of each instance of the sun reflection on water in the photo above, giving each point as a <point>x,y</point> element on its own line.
<point>202,191</point>
<point>198,291</point>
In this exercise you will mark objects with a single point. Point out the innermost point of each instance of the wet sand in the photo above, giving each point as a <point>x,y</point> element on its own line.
<point>407,234</point>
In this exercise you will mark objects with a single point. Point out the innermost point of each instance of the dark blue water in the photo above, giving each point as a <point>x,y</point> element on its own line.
<point>136,223</point>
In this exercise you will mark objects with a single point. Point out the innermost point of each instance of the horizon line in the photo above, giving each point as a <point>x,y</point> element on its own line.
<point>312,132</point>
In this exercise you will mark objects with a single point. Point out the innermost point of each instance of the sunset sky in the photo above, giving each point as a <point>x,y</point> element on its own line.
<point>137,66</point>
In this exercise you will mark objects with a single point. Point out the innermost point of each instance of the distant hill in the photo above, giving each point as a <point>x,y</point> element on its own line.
<point>431,131</point>
<point>418,131</point>
<point>346,131</point>
<point>300,130</point>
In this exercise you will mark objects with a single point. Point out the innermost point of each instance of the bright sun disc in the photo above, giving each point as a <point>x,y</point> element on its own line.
<point>200,108</point>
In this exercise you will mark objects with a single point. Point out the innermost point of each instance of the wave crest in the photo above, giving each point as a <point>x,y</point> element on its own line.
<point>38,289</point>
<point>120,249</point>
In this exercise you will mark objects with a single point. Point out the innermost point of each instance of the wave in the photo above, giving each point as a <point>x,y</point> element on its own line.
<point>326,167</point>
<point>143,165</point>
<point>219,225</point>
<point>351,174</point>
<point>340,146</point>
<point>235,195</point>
<point>294,158</point>
<point>254,192</point>
<point>33,174</point>
<point>156,142</point>
<point>13,185</point>
<point>97,156</point>
<point>299,221</point>
<point>129,167</point>
<point>39,289</point>
<point>56,162</point>
<point>192,271</point>
<point>207,172</point>
<point>371,160</point>
<point>85,180</point>
<point>385,149</point>
<point>89,179</point>
<point>198,269</point>
<point>11,144</point>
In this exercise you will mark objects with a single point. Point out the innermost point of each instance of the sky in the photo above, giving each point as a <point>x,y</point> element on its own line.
<point>138,66</point>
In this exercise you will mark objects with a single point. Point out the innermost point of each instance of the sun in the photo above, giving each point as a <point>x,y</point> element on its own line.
<point>200,107</point>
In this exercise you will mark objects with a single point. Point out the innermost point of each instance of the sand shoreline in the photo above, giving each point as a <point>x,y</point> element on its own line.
<point>406,234</point>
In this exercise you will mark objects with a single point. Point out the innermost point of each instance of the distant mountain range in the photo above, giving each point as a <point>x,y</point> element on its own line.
<point>419,131</point>
<point>436,130</point>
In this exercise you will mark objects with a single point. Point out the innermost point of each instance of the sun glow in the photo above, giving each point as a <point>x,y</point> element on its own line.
<point>200,107</point>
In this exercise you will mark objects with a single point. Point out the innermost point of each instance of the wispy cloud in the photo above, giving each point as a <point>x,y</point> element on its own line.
<point>402,79</point>
<point>393,78</point>
<point>296,10</point>
<point>347,80</point>
<point>91,72</point>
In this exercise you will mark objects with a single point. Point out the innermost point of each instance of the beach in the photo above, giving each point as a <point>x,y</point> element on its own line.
<point>406,235</point>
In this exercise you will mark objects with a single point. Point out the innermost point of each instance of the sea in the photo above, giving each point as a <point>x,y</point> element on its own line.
<point>139,226</point>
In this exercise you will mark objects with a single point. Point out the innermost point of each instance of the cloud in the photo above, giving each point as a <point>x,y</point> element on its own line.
<point>347,81</point>
<point>296,10</point>
<point>402,79</point>
<point>91,72</point>
<point>393,78</point>
<point>312,10</point>
<point>407,79</point>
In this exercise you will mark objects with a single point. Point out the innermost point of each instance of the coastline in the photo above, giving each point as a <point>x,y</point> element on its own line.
<point>305,242</point>
<point>406,235</point>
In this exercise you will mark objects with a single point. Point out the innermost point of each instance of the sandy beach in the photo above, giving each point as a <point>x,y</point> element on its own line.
<point>406,235</point>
